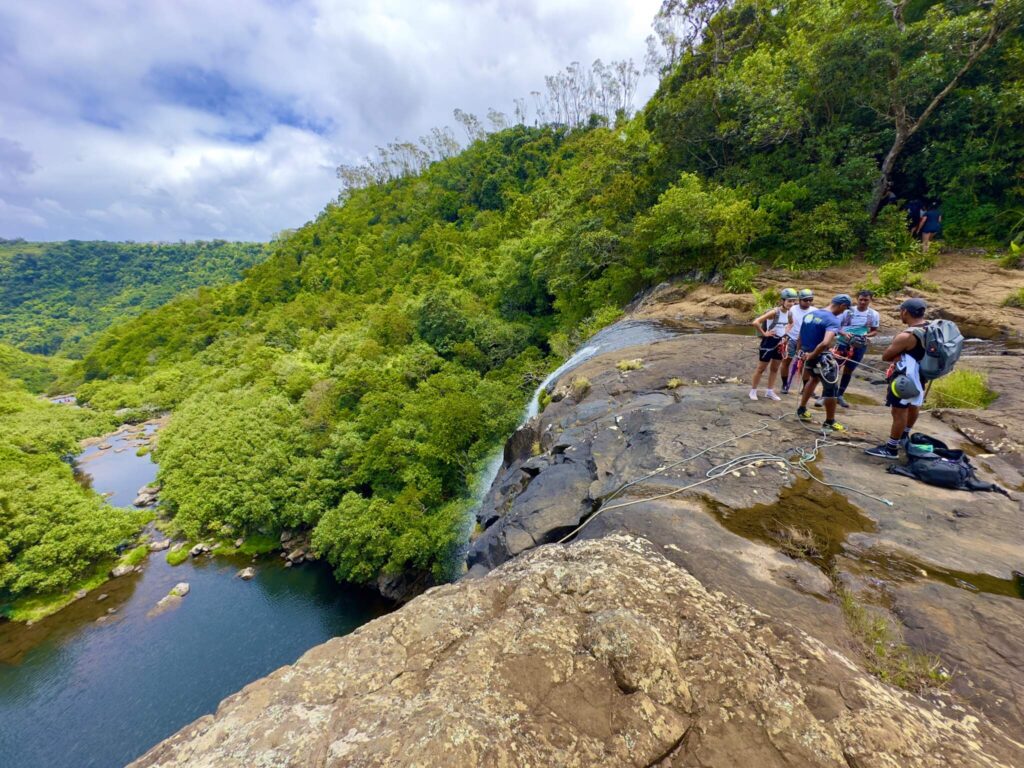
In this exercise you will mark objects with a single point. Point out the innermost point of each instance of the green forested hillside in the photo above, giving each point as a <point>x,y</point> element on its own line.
<point>355,381</point>
<point>53,296</point>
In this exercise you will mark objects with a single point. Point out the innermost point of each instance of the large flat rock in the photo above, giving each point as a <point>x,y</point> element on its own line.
<point>602,653</point>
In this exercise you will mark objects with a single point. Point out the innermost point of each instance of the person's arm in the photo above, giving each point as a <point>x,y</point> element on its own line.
<point>873,330</point>
<point>759,322</point>
<point>789,323</point>
<point>904,342</point>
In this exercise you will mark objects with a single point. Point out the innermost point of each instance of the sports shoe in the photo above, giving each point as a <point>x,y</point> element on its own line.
<point>842,401</point>
<point>804,415</point>
<point>883,452</point>
<point>835,426</point>
<point>770,394</point>
<point>785,390</point>
<point>819,402</point>
<point>753,394</point>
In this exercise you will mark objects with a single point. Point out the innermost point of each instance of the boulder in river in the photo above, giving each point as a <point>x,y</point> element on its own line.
<point>102,597</point>
<point>160,545</point>
<point>239,542</point>
<point>180,589</point>
<point>199,549</point>
<point>122,570</point>
<point>247,573</point>
<point>296,556</point>
<point>80,594</point>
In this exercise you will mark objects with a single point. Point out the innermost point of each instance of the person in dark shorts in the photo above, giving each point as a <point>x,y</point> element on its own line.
<point>931,223</point>
<point>771,351</point>
<point>905,394</point>
<point>817,332</point>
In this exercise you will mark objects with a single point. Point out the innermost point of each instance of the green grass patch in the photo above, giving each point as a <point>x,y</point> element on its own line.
<point>635,364</point>
<point>579,387</point>
<point>257,544</point>
<point>134,556</point>
<point>36,607</point>
<point>962,388</point>
<point>177,556</point>
<point>142,450</point>
<point>1015,299</point>
<point>887,654</point>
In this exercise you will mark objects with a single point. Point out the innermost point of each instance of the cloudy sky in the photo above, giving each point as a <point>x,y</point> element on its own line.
<point>186,119</point>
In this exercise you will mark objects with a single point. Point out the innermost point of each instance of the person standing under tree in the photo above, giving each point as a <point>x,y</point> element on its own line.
<point>930,224</point>
<point>772,326</point>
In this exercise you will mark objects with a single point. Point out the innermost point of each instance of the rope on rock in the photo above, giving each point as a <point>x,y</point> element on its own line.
<point>734,465</point>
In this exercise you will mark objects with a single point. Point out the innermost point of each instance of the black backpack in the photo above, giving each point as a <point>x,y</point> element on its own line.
<point>933,462</point>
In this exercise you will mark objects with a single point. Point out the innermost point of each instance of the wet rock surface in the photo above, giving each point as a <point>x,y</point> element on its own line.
<point>599,654</point>
<point>736,533</point>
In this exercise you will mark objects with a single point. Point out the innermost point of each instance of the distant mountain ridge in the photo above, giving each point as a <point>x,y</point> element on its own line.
<point>54,296</point>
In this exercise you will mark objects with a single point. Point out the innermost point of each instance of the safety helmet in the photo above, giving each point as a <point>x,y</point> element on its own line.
<point>788,293</point>
<point>904,388</point>
<point>806,293</point>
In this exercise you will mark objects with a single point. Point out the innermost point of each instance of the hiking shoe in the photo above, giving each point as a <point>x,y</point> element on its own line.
<point>753,394</point>
<point>883,452</point>
<point>771,395</point>
<point>842,401</point>
<point>834,426</point>
<point>804,415</point>
<point>785,390</point>
<point>819,402</point>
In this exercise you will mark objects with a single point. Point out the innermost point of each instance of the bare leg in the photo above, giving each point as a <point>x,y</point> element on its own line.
<point>926,239</point>
<point>809,385</point>
<point>758,374</point>
<point>899,422</point>
<point>912,413</point>
<point>830,408</point>
<point>773,372</point>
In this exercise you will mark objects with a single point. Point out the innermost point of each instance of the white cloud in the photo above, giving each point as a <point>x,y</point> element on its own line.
<point>191,119</point>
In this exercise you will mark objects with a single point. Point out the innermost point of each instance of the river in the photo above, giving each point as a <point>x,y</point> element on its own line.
<point>77,693</point>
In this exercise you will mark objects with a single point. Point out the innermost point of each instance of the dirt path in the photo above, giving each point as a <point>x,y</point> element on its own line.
<point>964,287</point>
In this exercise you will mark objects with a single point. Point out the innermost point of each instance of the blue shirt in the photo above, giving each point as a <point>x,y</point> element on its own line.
<point>815,325</point>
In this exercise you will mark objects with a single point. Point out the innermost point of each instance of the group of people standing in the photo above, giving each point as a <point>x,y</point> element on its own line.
<point>825,346</point>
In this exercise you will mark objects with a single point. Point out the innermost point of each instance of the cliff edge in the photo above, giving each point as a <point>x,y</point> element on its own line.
<point>602,653</point>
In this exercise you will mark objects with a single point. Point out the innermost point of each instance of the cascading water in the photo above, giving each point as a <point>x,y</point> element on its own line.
<point>626,333</point>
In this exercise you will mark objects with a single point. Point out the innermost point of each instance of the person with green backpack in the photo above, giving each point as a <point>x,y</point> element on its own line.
<point>919,354</point>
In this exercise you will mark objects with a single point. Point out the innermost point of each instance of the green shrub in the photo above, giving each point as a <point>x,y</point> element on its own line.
<point>893,277</point>
<point>630,365</point>
<point>889,238</point>
<point>741,279</point>
<point>1015,299</point>
<point>603,317</point>
<point>765,300</point>
<point>962,388</point>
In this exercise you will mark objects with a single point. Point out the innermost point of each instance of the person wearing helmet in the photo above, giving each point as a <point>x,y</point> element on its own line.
<point>856,326</point>
<point>772,328</point>
<point>905,393</point>
<point>805,304</point>
<point>817,332</point>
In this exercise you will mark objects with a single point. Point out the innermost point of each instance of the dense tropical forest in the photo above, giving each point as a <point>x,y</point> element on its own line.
<point>55,296</point>
<point>355,381</point>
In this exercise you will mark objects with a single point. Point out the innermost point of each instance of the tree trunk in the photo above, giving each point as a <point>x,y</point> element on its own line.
<point>902,134</point>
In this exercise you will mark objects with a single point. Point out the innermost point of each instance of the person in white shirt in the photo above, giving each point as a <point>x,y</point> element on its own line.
<point>856,326</point>
<point>772,326</point>
<point>805,304</point>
